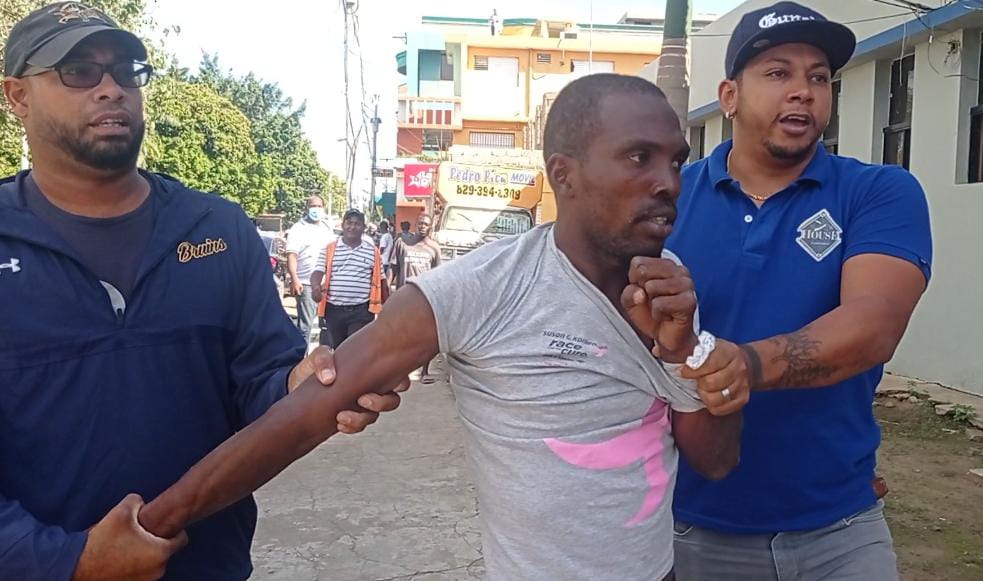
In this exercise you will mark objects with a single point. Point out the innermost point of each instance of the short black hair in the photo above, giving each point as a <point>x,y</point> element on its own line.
<point>405,225</point>
<point>575,115</point>
<point>353,213</point>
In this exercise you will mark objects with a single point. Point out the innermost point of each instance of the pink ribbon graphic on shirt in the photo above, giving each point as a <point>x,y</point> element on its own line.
<point>644,443</point>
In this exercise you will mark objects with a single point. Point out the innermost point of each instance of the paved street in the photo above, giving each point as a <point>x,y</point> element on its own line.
<point>395,503</point>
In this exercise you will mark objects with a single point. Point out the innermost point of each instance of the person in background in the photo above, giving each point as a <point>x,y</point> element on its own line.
<point>305,241</point>
<point>415,255</point>
<point>348,282</point>
<point>386,244</point>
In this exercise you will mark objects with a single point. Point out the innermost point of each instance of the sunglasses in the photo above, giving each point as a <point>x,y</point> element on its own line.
<point>86,75</point>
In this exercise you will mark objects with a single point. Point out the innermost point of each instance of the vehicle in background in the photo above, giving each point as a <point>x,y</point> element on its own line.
<point>480,203</point>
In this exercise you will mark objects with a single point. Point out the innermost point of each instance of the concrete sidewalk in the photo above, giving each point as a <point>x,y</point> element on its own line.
<point>397,503</point>
<point>394,503</point>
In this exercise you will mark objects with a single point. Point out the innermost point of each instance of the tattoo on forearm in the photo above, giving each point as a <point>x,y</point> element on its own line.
<point>800,357</point>
<point>754,361</point>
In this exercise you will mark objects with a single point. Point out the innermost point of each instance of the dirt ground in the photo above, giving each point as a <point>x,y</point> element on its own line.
<point>935,507</point>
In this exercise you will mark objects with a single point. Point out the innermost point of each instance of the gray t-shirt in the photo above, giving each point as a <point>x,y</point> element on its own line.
<point>415,257</point>
<point>566,412</point>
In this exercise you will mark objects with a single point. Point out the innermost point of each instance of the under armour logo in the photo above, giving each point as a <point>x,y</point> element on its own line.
<point>12,265</point>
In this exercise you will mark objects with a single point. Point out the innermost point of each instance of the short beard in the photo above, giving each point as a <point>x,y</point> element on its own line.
<point>789,154</point>
<point>620,248</point>
<point>107,154</point>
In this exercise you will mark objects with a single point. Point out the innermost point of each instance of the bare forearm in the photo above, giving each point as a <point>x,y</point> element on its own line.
<point>841,344</point>
<point>711,444</point>
<point>290,429</point>
<point>372,360</point>
<point>292,265</point>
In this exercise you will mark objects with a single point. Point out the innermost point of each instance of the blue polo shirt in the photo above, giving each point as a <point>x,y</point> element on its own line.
<point>808,455</point>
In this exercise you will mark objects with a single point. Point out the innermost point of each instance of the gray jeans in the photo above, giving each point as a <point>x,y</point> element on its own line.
<point>306,312</point>
<point>857,548</point>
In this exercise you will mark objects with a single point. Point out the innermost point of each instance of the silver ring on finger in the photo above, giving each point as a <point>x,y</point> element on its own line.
<point>726,393</point>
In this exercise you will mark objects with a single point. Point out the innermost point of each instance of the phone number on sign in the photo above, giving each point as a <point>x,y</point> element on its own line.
<point>489,191</point>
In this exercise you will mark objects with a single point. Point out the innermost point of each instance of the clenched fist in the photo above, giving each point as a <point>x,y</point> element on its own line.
<point>661,302</point>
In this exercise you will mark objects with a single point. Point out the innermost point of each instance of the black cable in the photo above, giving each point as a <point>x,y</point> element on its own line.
<point>846,22</point>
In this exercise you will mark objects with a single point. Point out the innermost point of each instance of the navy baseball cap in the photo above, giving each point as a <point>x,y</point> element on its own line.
<point>784,23</point>
<point>44,37</point>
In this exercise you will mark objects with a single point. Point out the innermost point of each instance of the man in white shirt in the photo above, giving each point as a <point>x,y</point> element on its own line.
<point>385,246</point>
<point>305,242</point>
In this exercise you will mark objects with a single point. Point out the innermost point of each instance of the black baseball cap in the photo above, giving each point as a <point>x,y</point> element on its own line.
<point>44,37</point>
<point>353,213</point>
<point>784,23</point>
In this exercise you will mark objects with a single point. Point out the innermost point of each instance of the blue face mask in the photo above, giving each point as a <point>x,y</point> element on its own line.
<point>315,214</point>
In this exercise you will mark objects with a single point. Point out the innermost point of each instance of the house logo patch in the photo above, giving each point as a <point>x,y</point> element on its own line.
<point>186,251</point>
<point>820,235</point>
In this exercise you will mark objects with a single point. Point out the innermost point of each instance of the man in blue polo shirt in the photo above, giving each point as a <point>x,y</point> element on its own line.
<point>812,265</point>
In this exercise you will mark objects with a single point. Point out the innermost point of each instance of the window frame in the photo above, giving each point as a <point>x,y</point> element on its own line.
<point>900,105</point>
<point>831,136</point>
<point>446,66</point>
<point>976,126</point>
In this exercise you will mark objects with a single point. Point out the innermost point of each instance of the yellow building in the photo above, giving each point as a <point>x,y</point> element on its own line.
<point>467,84</point>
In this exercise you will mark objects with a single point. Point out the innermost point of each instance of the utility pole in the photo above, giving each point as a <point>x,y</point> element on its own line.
<point>375,148</point>
<point>590,41</point>
<point>672,76</point>
<point>347,5</point>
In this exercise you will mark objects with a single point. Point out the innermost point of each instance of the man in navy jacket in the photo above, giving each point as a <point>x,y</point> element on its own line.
<point>140,325</point>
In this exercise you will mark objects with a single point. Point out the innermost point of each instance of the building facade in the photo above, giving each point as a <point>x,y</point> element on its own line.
<point>466,85</point>
<point>911,96</point>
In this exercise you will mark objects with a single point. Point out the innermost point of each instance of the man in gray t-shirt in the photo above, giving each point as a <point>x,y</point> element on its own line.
<point>574,426</point>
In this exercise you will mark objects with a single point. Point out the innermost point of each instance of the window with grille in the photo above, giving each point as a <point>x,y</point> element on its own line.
<point>976,126</point>
<point>897,135</point>
<point>437,140</point>
<point>492,139</point>
<point>831,137</point>
<point>480,63</point>
<point>544,58</point>
<point>580,67</point>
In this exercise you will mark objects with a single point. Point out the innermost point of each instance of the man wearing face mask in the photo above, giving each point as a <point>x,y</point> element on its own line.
<point>305,241</point>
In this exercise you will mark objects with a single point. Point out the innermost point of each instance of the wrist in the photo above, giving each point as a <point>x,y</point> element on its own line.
<point>752,360</point>
<point>680,354</point>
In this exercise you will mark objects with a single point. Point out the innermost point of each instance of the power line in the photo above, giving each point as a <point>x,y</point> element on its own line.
<point>899,14</point>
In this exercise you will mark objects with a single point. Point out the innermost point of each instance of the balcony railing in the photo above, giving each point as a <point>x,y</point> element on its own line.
<point>429,112</point>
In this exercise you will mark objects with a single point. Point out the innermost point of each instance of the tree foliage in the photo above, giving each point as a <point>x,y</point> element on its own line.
<point>201,138</point>
<point>279,138</point>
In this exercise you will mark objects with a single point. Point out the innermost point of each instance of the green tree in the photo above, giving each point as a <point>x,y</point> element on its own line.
<point>279,138</point>
<point>201,138</point>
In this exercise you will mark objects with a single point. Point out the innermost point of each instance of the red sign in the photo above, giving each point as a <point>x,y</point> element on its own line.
<point>418,180</point>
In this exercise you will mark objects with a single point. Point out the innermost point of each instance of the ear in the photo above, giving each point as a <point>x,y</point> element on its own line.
<point>561,170</point>
<point>727,94</point>
<point>15,90</point>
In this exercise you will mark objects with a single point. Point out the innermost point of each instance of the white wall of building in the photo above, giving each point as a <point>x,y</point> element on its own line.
<point>436,88</point>
<point>946,333</point>
<point>495,93</point>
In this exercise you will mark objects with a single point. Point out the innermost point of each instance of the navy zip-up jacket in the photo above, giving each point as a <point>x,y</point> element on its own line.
<point>100,397</point>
